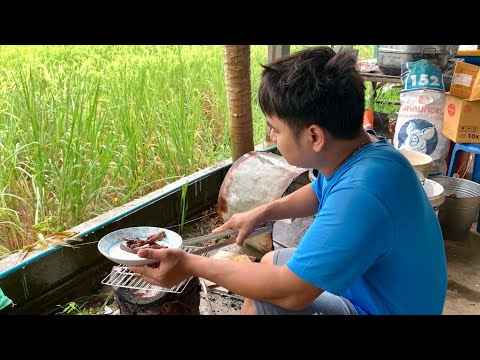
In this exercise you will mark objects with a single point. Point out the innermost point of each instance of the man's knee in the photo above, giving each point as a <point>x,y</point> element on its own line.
<point>267,258</point>
<point>248,307</point>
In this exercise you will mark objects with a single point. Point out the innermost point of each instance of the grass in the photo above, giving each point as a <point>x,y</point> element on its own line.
<point>88,128</point>
<point>84,129</point>
<point>183,206</point>
<point>87,305</point>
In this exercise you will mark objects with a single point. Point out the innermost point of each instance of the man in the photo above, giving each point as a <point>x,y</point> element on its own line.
<point>375,245</point>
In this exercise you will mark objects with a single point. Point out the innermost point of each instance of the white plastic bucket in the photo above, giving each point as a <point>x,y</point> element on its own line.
<point>435,193</point>
<point>420,161</point>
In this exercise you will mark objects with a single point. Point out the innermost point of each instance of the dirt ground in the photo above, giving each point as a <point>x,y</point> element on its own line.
<point>463,263</point>
<point>220,304</point>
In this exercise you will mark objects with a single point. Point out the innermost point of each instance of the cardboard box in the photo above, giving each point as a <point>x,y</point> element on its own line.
<point>461,121</point>
<point>466,81</point>
<point>469,56</point>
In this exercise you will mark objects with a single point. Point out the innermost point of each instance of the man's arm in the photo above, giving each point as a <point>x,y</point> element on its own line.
<point>261,281</point>
<point>300,203</point>
<point>271,283</point>
<point>275,284</point>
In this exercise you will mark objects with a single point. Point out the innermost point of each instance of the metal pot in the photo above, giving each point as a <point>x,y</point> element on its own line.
<point>462,202</point>
<point>391,57</point>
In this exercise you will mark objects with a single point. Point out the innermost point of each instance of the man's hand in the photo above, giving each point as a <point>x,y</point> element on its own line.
<point>300,203</point>
<point>245,223</point>
<point>169,271</point>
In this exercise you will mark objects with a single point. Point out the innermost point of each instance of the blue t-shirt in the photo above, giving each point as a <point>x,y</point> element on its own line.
<point>375,239</point>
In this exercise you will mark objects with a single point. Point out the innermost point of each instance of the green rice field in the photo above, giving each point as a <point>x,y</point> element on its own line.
<point>84,129</point>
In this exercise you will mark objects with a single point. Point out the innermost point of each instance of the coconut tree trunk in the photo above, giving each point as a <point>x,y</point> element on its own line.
<point>237,80</point>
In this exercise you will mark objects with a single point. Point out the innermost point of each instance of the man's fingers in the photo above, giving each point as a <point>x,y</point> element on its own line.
<point>151,280</point>
<point>241,237</point>
<point>147,254</point>
<point>151,253</point>
<point>143,270</point>
<point>223,227</point>
<point>135,268</point>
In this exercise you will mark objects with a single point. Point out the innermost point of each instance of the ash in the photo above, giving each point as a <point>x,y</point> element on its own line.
<point>220,304</point>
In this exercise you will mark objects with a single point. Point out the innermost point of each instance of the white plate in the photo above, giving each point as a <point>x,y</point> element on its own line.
<point>109,245</point>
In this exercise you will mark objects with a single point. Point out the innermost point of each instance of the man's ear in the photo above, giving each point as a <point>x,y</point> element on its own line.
<point>317,137</point>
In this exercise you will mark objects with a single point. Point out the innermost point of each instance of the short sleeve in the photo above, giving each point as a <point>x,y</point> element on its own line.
<point>351,231</point>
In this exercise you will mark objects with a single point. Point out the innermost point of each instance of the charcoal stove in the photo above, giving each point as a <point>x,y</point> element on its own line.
<point>135,296</point>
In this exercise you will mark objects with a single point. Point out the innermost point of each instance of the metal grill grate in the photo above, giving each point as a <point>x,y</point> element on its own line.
<point>121,276</point>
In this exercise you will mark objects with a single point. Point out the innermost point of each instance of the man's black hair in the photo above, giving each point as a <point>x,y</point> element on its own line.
<point>315,86</point>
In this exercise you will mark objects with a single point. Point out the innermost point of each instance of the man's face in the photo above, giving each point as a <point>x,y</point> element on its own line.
<point>294,150</point>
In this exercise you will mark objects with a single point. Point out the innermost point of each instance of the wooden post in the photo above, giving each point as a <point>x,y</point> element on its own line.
<point>337,48</point>
<point>237,81</point>
<point>277,51</point>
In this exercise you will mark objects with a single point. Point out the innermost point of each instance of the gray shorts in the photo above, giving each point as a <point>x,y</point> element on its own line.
<point>325,304</point>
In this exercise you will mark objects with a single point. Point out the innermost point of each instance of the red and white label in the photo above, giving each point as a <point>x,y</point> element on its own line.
<point>451,109</point>
<point>424,99</point>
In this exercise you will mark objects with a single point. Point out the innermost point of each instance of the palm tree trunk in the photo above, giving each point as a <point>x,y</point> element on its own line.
<point>237,80</point>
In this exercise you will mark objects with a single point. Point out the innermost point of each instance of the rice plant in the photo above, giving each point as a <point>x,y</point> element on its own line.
<point>84,129</point>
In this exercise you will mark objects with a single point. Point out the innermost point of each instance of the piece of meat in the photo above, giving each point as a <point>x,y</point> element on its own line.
<point>135,250</point>
<point>133,245</point>
<point>158,236</point>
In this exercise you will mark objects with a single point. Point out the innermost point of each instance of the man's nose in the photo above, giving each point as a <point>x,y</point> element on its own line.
<point>273,136</point>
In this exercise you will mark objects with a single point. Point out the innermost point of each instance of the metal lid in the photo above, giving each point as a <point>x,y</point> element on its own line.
<point>416,49</point>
